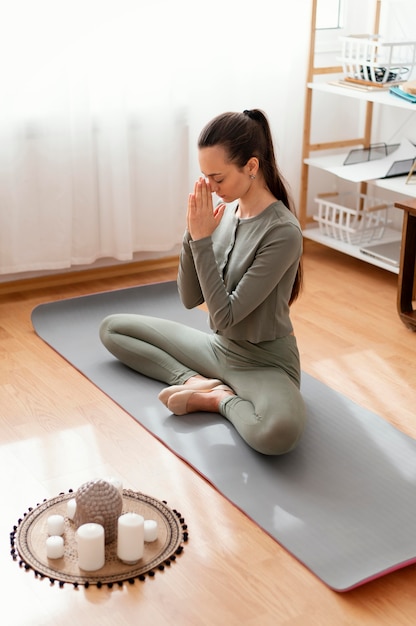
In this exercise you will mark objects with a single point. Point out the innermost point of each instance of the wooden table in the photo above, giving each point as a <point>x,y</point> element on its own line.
<point>407,264</point>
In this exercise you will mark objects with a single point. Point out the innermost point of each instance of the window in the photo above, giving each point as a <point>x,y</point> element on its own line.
<point>328,15</point>
<point>336,18</point>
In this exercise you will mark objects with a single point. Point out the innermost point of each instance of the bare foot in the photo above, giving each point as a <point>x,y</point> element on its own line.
<point>195,382</point>
<point>191,401</point>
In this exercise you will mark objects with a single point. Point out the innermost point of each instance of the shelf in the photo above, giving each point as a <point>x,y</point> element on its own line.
<point>368,175</point>
<point>397,185</point>
<point>376,95</point>
<point>314,234</point>
<point>332,162</point>
<point>328,162</point>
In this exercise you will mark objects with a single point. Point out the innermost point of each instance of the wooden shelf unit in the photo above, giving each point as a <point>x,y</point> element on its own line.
<point>311,158</point>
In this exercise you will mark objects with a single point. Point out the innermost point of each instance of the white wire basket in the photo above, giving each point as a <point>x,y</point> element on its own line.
<point>369,58</point>
<point>352,218</point>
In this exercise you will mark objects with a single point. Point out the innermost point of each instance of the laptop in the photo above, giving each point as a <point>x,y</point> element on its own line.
<point>400,168</point>
<point>388,252</point>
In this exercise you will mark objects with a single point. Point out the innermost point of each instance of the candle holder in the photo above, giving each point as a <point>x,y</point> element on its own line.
<point>99,502</point>
<point>29,549</point>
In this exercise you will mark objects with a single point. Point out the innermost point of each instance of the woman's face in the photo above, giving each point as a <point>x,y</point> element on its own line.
<point>226,179</point>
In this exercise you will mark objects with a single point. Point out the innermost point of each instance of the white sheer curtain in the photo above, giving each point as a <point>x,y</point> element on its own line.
<point>101,102</point>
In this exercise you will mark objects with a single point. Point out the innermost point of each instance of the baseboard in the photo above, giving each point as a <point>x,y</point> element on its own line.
<point>97,273</point>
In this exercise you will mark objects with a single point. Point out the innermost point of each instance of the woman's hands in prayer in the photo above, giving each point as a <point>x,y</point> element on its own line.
<point>202,218</point>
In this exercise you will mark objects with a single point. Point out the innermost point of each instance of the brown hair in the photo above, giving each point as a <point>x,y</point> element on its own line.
<point>244,135</point>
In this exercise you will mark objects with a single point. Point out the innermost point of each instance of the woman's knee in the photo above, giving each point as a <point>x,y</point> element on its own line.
<point>280,437</point>
<point>114,333</point>
<point>278,431</point>
<point>120,324</point>
<point>105,329</point>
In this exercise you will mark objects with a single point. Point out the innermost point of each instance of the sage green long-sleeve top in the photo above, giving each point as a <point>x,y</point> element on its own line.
<point>244,273</point>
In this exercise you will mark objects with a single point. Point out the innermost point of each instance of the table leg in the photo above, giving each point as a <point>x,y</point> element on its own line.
<point>407,272</point>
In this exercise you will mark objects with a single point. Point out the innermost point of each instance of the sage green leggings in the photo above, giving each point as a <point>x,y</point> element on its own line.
<point>267,411</point>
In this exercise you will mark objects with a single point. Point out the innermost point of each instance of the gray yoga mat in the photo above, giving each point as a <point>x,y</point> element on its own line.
<point>343,503</point>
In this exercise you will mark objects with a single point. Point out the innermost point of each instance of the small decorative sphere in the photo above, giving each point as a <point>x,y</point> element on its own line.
<point>99,502</point>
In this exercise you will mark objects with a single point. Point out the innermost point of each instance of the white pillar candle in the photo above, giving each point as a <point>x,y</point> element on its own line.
<point>56,525</point>
<point>71,507</point>
<point>91,547</point>
<point>150,530</point>
<point>130,537</point>
<point>54,547</point>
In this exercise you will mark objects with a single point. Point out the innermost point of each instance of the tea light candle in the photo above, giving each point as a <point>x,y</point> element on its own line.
<point>91,546</point>
<point>130,538</point>
<point>71,507</point>
<point>150,530</point>
<point>56,525</point>
<point>54,547</point>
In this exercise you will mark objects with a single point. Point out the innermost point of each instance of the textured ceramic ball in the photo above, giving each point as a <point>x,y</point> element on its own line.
<point>99,502</point>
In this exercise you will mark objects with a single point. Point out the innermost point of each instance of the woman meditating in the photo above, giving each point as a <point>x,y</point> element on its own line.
<point>244,262</point>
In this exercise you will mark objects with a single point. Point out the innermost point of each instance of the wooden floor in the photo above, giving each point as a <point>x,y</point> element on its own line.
<point>57,431</point>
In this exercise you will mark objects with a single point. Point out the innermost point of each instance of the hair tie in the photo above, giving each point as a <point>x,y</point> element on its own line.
<point>253,114</point>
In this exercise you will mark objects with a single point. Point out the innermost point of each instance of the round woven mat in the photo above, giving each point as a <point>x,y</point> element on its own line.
<point>29,540</point>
